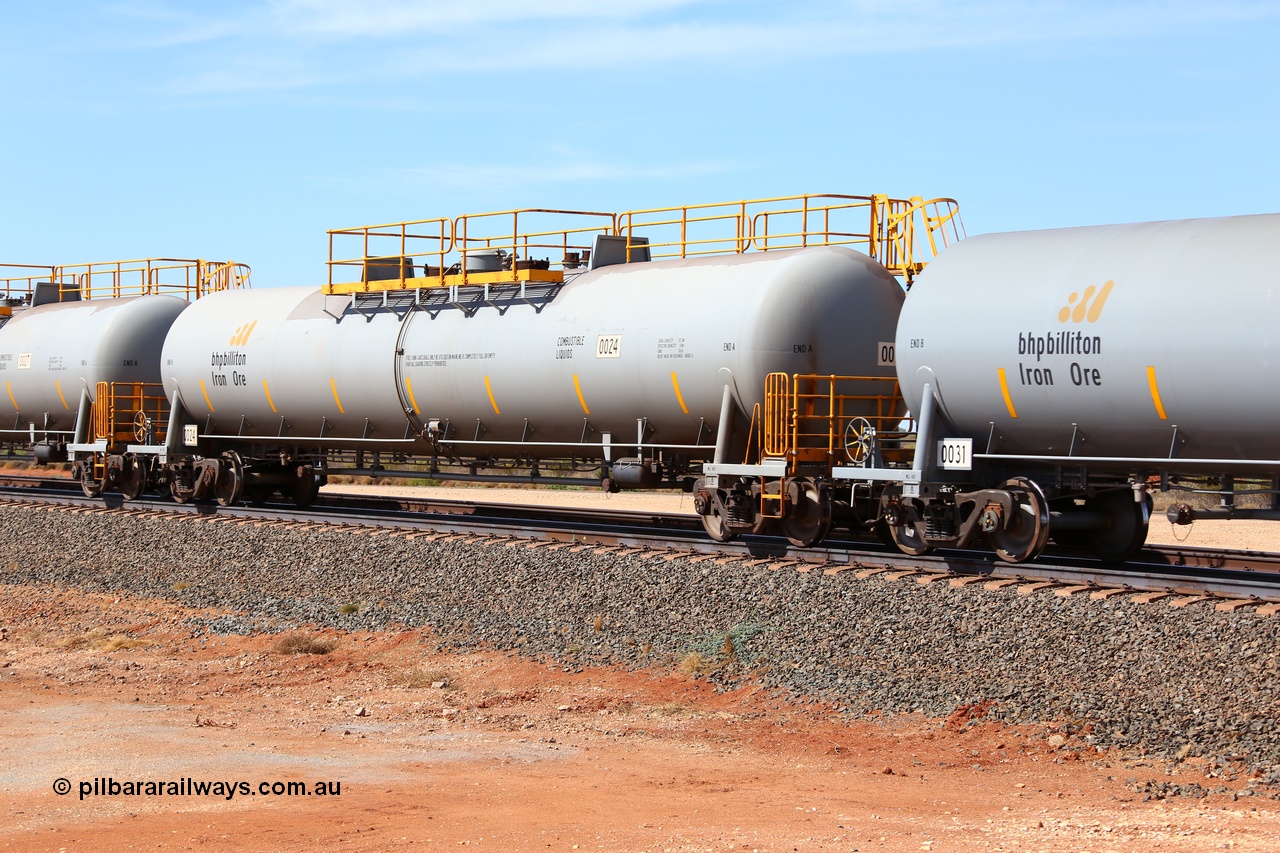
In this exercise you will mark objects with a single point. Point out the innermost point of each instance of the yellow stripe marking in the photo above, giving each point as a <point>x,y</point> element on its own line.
<point>680,397</point>
<point>333,386</point>
<point>267,391</point>
<point>578,388</point>
<point>206,396</point>
<point>1004,389</point>
<point>248,332</point>
<point>1155,392</point>
<point>58,385</point>
<point>11,400</point>
<point>408,386</point>
<point>489,388</point>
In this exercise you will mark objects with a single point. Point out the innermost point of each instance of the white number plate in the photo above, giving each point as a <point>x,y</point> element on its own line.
<point>885,355</point>
<point>955,454</point>
<point>190,435</point>
<point>711,481</point>
<point>609,346</point>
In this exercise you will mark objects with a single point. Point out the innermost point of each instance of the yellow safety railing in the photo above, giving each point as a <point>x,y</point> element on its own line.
<point>188,278</point>
<point>184,277</point>
<point>887,229</point>
<point>130,413</point>
<point>825,417</point>
<point>777,414</point>
<point>530,244</point>
<point>897,227</point>
<point>18,282</point>
<point>486,248</point>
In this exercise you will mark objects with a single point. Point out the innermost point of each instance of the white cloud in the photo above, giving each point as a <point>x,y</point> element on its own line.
<point>401,18</point>
<point>300,44</point>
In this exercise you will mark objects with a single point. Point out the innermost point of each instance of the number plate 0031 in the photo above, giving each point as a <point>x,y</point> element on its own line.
<point>955,454</point>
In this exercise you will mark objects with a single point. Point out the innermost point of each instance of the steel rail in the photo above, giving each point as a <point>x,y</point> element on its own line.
<point>1172,570</point>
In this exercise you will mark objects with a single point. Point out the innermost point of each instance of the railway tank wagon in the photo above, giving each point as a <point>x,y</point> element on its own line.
<point>1059,376</point>
<point>619,350</point>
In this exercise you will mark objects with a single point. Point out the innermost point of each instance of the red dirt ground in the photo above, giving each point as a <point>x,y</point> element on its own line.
<point>494,752</point>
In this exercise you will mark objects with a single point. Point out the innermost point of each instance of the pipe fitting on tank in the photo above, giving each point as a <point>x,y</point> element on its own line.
<point>1180,514</point>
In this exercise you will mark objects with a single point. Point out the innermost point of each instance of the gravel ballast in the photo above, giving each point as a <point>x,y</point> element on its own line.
<point>1177,682</point>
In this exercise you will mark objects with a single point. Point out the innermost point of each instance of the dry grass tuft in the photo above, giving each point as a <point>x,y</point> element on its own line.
<point>598,624</point>
<point>416,679</point>
<point>99,640</point>
<point>181,585</point>
<point>349,608</point>
<point>120,641</point>
<point>299,643</point>
<point>695,664</point>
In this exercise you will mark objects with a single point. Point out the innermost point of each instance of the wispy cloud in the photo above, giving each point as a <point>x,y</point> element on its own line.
<point>290,45</point>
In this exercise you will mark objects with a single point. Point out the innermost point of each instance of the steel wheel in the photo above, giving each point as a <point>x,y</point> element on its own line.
<point>134,477</point>
<point>908,539</point>
<point>1128,531</point>
<point>91,487</point>
<point>182,492</point>
<point>1026,533</point>
<point>808,516</point>
<point>716,528</point>
<point>230,485</point>
<point>305,487</point>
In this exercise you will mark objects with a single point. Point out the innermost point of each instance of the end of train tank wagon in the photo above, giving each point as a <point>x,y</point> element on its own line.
<point>1061,376</point>
<point>80,359</point>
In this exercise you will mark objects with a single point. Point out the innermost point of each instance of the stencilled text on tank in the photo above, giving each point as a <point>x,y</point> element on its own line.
<point>227,366</point>
<point>444,359</point>
<point>1060,356</point>
<point>568,346</point>
<point>672,348</point>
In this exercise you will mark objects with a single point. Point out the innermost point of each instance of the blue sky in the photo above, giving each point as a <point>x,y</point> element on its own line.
<point>244,130</point>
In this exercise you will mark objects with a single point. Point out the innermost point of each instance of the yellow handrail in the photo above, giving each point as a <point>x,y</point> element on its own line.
<point>390,255</point>
<point>122,409</point>
<point>442,251</point>
<point>807,415</point>
<point>188,278</point>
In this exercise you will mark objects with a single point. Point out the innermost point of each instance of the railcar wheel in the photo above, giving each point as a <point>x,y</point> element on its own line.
<point>716,528</point>
<point>763,526</point>
<point>229,487</point>
<point>258,495</point>
<point>908,539</point>
<point>1024,537</point>
<point>181,490</point>
<point>91,487</point>
<point>1128,531</point>
<point>134,478</point>
<point>808,517</point>
<point>305,487</point>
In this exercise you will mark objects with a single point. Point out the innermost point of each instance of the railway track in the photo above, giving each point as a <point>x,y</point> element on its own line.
<point>1225,579</point>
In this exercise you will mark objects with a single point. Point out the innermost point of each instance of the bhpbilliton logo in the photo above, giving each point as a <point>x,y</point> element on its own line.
<point>1087,306</point>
